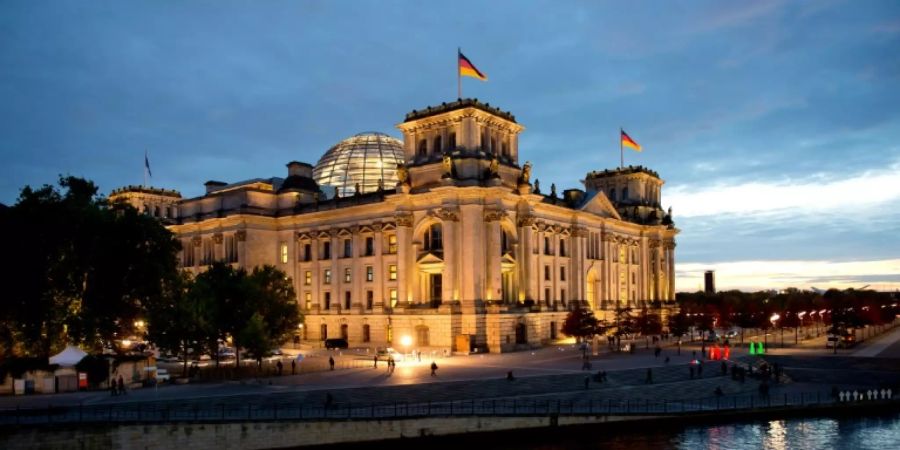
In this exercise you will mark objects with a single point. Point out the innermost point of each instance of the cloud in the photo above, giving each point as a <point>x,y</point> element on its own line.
<point>881,274</point>
<point>816,193</point>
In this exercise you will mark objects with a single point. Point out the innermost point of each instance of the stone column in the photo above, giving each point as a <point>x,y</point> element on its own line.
<point>379,272</point>
<point>314,268</point>
<point>671,250</point>
<point>449,279</point>
<point>405,253</point>
<point>493,277</point>
<point>525,258</point>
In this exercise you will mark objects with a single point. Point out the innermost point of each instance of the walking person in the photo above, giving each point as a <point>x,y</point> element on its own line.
<point>113,390</point>
<point>280,367</point>
<point>376,362</point>
<point>122,386</point>
<point>434,368</point>
<point>331,362</point>
<point>293,366</point>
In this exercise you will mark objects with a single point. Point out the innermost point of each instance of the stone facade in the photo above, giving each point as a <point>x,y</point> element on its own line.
<point>464,252</point>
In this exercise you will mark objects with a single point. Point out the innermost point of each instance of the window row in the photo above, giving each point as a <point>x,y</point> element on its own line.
<point>548,271</point>
<point>208,252</point>
<point>348,275</point>
<point>326,302</point>
<point>367,249</point>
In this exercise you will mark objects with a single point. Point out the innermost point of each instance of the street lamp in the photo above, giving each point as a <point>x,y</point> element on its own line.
<point>774,319</point>
<point>406,342</point>
<point>799,325</point>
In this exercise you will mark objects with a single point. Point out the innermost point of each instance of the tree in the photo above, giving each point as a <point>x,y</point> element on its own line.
<point>581,323</point>
<point>181,323</point>
<point>257,310</point>
<point>648,323</point>
<point>84,270</point>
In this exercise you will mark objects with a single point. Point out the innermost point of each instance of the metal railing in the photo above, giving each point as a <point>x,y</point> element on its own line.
<point>275,411</point>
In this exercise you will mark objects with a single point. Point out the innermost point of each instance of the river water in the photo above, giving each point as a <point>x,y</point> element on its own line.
<point>857,433</point>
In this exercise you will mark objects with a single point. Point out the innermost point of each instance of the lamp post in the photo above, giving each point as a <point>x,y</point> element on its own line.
<point>799,325</point>
<point>774,319</point>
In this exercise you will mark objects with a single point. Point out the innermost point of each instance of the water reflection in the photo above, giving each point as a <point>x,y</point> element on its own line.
<point>861,433</point>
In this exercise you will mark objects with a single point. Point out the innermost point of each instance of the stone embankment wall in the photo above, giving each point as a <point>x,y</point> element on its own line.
<point>263,435</point>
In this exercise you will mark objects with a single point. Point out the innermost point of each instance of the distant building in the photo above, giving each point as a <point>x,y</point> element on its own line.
<point>709,282</point>
<point>442,237</point>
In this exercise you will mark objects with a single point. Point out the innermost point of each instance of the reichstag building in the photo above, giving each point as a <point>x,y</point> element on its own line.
<point>443,237</point>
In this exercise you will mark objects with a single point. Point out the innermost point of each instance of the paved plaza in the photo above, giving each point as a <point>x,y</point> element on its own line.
<point>551,374</point>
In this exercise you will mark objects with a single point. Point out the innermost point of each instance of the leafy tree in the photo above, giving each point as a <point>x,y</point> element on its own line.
<point>581,323</point>
<point>625,323</point>
<point>679,324</point>
<point>181,323</point>
<point>648,323</point>
<point>84,269</point>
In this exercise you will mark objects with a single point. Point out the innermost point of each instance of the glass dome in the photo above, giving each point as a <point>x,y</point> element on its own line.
<point>364,159</point>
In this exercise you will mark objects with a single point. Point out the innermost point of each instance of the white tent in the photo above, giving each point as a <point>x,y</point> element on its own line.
<point>68,357</point>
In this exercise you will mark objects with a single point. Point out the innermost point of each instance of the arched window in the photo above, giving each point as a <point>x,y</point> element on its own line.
<point>437,145</point>
<point>323,331</point>
<point>434,240</point>
<point>366,334</point>
<point>423,147</point>
<point>624,194</point>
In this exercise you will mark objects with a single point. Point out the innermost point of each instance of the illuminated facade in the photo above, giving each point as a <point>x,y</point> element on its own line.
<point>464,250</point>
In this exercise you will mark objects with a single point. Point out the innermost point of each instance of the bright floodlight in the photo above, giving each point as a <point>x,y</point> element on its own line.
<point>406,341</point>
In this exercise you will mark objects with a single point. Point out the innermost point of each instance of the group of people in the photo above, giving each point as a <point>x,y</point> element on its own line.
<point>117,387</point>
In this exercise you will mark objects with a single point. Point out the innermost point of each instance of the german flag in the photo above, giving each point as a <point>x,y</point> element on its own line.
<point>467,69</point>
<point>627,141</point>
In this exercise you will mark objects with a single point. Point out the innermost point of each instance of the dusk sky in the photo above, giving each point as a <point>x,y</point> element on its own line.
<point>775,124</point>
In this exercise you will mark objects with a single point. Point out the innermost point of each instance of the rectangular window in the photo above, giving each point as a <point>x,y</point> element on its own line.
<point>347,300</point>
<point>393,297</point>
<point>547,295</point>
<point>562,295</point>
<point>562,247</point>
<point>370,299</point>
<point>208,252</point>
<point>347,274</point>
<point>307,278</point>
<point>370,246</point>
<point>284,253</point>
<point>326,250</point>
<point>547,273</point>
<point>327,277</point>
<point>231,254</point>
<point>562,274</point>
<point>632,278</point>
<point>392,244</point>
<point>188,249</point>
<point>392,272</point>
<point>307,297</point>
<point>307,252</point>
<point>328,300</point>
<point>370,273</point>
<point>348,248</point>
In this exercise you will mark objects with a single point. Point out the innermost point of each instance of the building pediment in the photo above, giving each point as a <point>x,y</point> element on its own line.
<point>596,203</point>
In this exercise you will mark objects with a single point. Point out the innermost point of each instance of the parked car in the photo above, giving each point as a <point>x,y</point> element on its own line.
<point>385,354</point>
<point>162,375</point>
<point>336,343</point>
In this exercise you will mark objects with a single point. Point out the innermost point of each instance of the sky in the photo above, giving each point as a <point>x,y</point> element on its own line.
<point>775,124</point>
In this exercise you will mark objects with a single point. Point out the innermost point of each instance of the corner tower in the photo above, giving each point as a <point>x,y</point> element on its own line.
<point>473,135</point>
<point>635,192</point>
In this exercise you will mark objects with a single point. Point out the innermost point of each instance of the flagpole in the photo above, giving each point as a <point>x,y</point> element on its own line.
<point>458,76</point>
<point>621,151</point>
